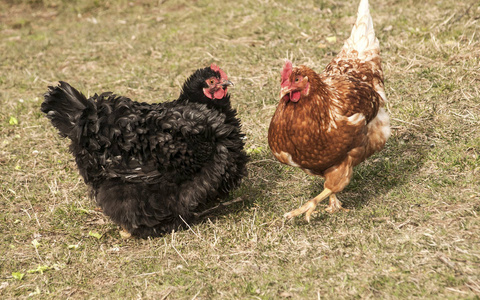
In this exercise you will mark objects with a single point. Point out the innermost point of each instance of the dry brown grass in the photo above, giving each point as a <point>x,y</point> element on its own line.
<point>413,228</point>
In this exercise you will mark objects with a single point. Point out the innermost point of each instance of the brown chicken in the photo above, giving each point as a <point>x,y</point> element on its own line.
<point>330,122</point>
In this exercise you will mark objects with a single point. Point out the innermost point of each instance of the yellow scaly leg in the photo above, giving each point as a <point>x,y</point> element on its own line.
<point>309,207</point>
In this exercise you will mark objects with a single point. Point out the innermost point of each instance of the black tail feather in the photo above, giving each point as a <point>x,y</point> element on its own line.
<point>64,106</point>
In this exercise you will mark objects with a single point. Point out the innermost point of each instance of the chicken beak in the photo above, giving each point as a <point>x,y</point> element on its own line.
<point>226,83</point>
<point>284,91</point>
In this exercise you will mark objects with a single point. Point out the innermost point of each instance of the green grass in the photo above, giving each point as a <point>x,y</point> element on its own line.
<point>413,229</point>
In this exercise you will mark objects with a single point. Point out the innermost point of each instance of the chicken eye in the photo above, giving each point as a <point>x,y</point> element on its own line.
<point>211,81</point>
<point>297,79</point>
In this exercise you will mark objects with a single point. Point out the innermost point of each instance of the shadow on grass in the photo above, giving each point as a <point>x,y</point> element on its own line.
<point>392,167</point>
<point>264,174</point>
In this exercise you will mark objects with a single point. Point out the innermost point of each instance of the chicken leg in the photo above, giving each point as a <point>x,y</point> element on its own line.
<point>309,207</point>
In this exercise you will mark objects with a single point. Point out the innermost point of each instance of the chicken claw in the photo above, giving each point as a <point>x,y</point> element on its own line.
<point>335,205</point>
<point>309,207</point>
<point>124,234</point>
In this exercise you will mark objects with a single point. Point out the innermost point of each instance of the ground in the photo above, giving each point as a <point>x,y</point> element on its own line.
<point>413,226</point>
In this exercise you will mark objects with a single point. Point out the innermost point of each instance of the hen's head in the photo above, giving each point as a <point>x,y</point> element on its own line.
<point>207,85</point>
<point>294,82</point>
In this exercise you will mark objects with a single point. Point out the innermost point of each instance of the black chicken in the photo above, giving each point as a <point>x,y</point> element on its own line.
<point>150,166</point>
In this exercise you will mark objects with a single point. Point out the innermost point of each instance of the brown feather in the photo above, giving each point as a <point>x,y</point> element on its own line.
<point>330,122</point>
<point>328,127</point>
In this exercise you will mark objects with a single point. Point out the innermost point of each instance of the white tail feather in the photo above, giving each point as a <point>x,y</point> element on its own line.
<point>362,38</point>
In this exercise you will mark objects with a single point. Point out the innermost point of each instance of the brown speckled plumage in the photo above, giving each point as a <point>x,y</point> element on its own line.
<point>327,123</point>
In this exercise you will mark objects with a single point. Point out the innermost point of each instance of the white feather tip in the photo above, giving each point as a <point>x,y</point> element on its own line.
<point>363,8</point>
<point>363,36</point>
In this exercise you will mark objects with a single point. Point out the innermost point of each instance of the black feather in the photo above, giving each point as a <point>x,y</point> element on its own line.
<point>152,165</point>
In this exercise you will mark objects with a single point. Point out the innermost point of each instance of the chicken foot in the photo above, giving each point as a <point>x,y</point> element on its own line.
<point>310,206</point>
<point>124,234</point>
<point>334,205</point>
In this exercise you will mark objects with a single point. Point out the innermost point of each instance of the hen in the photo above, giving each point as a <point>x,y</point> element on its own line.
<point>151,166</point>
<point>330,122</point>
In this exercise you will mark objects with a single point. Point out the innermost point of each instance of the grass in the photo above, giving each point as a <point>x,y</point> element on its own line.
<point>413,228</point>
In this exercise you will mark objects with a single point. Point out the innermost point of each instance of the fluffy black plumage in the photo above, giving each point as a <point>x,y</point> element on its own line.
<point>152,165</point>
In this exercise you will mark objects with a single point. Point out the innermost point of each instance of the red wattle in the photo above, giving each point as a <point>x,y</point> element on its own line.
<point>295,96</point>
<point>219,94</point>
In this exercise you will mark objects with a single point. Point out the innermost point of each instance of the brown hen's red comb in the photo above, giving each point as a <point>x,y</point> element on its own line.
<point>287,70</point>
<point>217,69</point>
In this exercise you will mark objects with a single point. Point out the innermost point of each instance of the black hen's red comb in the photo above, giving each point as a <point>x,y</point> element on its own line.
<point>217,69</point>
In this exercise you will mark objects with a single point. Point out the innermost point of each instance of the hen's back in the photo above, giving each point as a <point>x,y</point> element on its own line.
<point>359,58</point>
<point>358,67</point>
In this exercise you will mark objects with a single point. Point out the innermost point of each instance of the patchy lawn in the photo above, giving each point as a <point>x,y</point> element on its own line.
<point>413,228</point>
